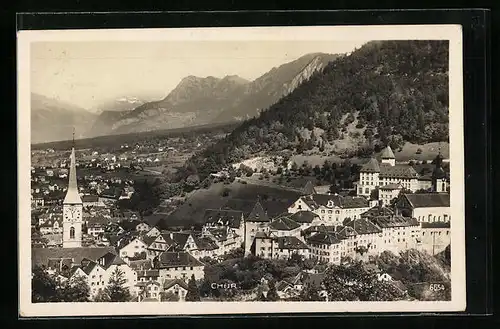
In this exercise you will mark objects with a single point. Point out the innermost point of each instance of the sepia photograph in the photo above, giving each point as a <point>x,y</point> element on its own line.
<point>216,170</point>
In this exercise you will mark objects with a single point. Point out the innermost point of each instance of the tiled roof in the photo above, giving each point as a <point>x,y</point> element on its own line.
<point>371,166</point>
<point>394,221</point>
<point>363,226</point>
<point>170,283</point>
<point>226,217</point>
<point>142,264</point>
<point>263,235</point>
<point>147,283</point>
<point>284,224</point>
<point>319,228</point>
<point>354,202</point>
<point>90,198</point>
<point>397,171</point>
<point>392,187</point>
<point>331,201</point>
<point>308,188</point>
<point>312,279</point>
<point>387,153</point>
<point>282,285</point>
<point>89,266</point>
<point>304,216</point>
<point>180,238</point>
<point>436,225</point>
<point>97,221</point>
<point>258,214</point>
<point>219,234</point>
<point>205,243</point>
<point>41,256</point>
<point>126,239</point>
<point>290,242</point>
<point>323,238</point>
<point>425,200</point>
<point>59,263</point>
<point>176,259</point>
<point>378,211</point>
<point>346,232</point>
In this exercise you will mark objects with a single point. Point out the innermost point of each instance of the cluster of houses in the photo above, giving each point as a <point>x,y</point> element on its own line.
<point>327,228</point>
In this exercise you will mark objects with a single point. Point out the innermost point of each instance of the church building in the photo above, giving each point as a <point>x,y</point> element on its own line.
<point>374,174</point>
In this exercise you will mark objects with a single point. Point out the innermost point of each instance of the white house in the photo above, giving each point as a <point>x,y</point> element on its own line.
<point>285,226</point>
<point>178,265</point>
<point>177,287</point>
<point>389,192</point>
<point>398,233</point>
<point>325,247</point>
<point>132,248</point>
<point>332,209</point>
<point>112,263</point>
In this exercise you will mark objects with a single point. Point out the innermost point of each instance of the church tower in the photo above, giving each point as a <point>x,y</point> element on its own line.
<point>72,209</point>
<point>388,156</point>
<point>438,175</point>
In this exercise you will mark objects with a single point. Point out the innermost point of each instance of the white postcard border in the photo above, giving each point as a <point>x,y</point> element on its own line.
<point>453,33</point>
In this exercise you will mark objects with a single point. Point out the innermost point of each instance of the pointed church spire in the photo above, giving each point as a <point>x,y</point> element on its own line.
<point>72,195</point>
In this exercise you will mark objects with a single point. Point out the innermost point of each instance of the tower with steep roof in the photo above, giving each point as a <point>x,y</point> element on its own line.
<point>72,208</point>
<point>388,157</point>
<point>438,174</point>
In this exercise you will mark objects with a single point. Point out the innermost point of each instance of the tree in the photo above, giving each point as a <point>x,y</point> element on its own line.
<point>193,294</point>
<point>374,194</point>
<point>168,296</point>
<point>310,293</point>
<point>101,296</point>
<point>352,282</point>
<point>43,286</point>
<point>116,289</point>
<point>272,294</point>
<point>334,189</point>
<point>75,289</point>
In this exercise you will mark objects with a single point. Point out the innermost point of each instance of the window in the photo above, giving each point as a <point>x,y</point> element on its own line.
<point>72,232</point>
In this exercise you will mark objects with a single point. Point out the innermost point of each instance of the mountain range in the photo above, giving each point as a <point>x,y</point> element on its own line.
<point>195,101</point>
<point>199,101</point>
<point>53,120</point>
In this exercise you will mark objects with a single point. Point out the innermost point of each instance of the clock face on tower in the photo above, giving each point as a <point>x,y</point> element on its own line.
<point>73,213</point>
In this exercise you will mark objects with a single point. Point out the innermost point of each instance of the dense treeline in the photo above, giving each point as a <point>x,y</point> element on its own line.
<point>397,89</point>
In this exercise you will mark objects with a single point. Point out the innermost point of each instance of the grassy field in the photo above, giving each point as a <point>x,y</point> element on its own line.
<point>240,197</point>
<point>408,152</point>
<point>429,151</point>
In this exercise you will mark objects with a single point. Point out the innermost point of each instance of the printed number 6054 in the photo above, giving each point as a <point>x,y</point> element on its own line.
<point>437,287</point>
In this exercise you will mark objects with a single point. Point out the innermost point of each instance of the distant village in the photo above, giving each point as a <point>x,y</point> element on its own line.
<point>78,230</point>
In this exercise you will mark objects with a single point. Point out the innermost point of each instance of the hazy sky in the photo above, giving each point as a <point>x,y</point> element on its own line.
<point>88,73</point>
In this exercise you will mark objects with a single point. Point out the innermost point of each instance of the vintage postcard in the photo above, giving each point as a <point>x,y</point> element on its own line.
<point>241,170</point>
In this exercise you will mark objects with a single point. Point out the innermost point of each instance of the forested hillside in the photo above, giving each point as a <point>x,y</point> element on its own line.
<point>395,91</point>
